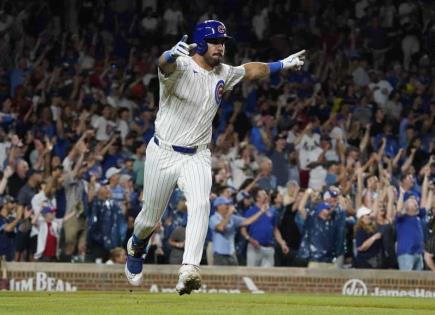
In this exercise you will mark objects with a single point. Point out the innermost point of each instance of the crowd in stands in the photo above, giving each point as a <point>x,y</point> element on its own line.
<point>332,164</point>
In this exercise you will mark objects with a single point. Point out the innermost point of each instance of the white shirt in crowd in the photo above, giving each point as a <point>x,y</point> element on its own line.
<point>309,150</point>
<point>317,178</point>
<point>360,77</point>
<point>241,171</point>
<point>104,128</point>
<point>123,128</point>
<point>39,201</point>
<point>172,20</point>
<point>4,147</point>
<point>259,23</point>
<point>382,90</point>
<point>149,23</point>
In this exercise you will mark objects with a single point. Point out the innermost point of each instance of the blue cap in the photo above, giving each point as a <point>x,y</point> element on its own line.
<point>330,194</point>
<point>409,194</point>
<point>221,201</point>
<point>322,206</point>
<point>46,210</point>
<point>242,195</point>
<point>210,29</point>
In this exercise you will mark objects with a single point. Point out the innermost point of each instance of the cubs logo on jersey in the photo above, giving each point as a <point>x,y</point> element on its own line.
<point>219,91</point>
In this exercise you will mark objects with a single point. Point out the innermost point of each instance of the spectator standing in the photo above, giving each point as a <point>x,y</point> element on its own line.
<point>410,220</point>
<point>367,240</point>
<point>224,224</point>
<point>10,215</point>
<point>262,234</point>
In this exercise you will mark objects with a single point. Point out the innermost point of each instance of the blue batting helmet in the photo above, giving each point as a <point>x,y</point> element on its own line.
<point>209,29</point>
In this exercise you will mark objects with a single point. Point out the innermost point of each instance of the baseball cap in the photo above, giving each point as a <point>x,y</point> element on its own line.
<point>409,194</point>
<point>112,171</point>
<point>242,195</point>
<point>221,201</point>
<point>125,178</point>
<point>330,194</point>
<point>362,212</point>
<point>46,210</point>
<point>322,206</point>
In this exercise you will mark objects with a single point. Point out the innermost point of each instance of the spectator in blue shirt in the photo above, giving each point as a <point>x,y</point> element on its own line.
<point>107,226</point>
<point>324,231</point>
<point>8,223</point>
<point>410,222</point>
<point>262,234</point>
<point>224,224</point>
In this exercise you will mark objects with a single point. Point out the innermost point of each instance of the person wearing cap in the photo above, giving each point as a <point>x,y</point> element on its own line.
<point>324,231</point>
<point>49,229</point>
<point>224,224</point>
<point>8,223</point>
<point>263,233</point>
<point>368,240</point>
<point>244,201</point>
<point>107,226</point>
<point>44,198</point>
<point>410,222</point>
<point>113,175</point>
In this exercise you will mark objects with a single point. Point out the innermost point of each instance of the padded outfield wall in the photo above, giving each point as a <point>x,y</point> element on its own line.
<point>216,279</point>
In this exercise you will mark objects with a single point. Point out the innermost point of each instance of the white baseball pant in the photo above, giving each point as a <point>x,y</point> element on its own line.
<point>164,168</point>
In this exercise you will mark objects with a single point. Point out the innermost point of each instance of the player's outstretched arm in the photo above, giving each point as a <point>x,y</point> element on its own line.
<point>260,70</point>
<point>167,60</point>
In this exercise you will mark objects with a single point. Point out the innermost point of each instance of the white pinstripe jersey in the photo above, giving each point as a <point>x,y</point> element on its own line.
<point>189,99</point>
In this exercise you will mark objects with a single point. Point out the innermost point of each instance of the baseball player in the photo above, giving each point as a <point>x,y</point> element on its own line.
<point>192,81</point>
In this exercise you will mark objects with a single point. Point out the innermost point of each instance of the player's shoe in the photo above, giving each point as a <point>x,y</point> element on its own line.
<point>133,266</point>
<point>189,279</point>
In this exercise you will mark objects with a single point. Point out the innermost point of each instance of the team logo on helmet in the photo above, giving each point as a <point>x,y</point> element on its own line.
<point>221,29</point>
<point>219,91</point>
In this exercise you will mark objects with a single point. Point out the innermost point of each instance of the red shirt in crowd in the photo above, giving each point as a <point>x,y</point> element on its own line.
<point>50,243</point>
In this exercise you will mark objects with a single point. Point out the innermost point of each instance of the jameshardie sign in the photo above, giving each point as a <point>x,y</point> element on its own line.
<point>357,287</point>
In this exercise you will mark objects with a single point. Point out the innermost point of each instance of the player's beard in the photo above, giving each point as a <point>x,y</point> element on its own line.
<point>214,60</point>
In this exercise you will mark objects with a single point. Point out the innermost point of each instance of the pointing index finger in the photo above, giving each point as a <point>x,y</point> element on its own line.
<point>299,53</point>
<point>184,38</point>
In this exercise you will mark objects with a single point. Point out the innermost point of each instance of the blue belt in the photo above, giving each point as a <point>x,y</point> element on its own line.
<point>177,148</point>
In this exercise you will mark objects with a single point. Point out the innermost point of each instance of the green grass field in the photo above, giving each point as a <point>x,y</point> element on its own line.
<point>83,303</point>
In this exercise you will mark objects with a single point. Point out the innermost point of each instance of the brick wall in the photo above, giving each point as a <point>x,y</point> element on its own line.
<point>158,278</point>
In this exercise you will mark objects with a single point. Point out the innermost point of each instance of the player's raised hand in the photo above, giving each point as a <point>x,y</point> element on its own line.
<point>182,48</point>
<point>295,61</point>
